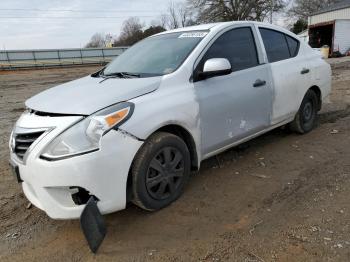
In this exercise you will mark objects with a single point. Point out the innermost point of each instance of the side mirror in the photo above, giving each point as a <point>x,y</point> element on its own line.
<point>215,67</point>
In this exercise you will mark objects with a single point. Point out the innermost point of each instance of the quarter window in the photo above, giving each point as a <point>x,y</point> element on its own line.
<point>237,46</point>
<point>293,46</point>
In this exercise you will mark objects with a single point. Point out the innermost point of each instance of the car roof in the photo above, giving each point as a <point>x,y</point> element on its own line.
<point>191,28</point>
<point>202,27</point>
<point>222,25</point>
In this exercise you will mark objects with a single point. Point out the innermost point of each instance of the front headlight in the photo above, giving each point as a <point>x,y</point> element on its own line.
<point>85,136</point>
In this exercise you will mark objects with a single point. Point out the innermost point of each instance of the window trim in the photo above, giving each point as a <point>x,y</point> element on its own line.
<point>285,38</point>
<point>216,37</point>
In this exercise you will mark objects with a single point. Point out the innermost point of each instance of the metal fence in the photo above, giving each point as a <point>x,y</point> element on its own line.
<point>16,59</point>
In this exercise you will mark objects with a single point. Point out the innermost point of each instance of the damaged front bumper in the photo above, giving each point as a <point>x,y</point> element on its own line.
<point>62,188</point>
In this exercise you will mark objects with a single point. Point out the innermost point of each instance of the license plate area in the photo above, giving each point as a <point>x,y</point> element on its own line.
<point>15,171</point>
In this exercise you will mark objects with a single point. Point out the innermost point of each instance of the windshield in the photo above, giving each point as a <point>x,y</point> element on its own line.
<point>156,56</point>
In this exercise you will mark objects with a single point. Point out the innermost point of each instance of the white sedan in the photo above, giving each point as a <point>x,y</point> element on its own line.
<point>134,130</point>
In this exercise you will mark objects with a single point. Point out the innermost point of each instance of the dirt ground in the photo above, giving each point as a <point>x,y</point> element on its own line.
<point>280,197</point>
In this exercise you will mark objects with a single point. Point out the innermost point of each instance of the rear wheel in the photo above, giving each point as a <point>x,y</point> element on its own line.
<point>160,171</point>
<point>306,117</point>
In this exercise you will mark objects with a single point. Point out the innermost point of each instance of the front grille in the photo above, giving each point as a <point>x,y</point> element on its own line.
<point>24,141</point>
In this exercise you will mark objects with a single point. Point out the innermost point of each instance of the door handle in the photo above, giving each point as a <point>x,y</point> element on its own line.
<point>259,83</point>
<point>305,71</point>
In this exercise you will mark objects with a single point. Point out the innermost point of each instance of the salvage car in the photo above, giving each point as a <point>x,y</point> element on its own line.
<point>135,130</point>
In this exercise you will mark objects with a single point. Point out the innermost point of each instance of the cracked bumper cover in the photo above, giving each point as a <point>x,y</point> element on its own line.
<point>103,173</point>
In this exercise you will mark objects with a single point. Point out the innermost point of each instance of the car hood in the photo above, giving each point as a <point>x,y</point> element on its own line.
<point>89,94</point>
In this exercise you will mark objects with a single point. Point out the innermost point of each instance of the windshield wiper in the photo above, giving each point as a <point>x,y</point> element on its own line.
<point>118,75</point>
<point>130,75</point>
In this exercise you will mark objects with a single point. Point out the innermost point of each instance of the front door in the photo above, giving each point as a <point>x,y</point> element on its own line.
<point>237,105</point>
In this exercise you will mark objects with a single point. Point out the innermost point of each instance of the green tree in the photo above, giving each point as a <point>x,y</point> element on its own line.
<point>152,30</point>
<point>299,26</point>
<point>132,32</point>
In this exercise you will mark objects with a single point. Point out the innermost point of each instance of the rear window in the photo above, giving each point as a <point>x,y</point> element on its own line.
<point>278,45</point>
<point>275,45</point>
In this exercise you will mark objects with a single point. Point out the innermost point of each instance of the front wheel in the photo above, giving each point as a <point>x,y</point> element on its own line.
<point>160,171</point>
<point>306,117</point>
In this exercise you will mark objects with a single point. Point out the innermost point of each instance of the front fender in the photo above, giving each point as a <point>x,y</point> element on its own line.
<point>169,106</point>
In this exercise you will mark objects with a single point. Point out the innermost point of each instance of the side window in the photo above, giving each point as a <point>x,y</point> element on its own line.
<point>275,44</point>
<point>293,45</point>
<point>238,46</point>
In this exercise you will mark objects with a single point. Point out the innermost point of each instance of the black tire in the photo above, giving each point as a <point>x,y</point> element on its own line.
<point>306,117</point>
<point>160,171</point>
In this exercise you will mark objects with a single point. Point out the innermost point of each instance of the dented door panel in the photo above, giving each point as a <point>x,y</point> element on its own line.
<point>231,108</point>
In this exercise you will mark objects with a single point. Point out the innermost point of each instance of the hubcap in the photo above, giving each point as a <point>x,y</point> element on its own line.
<point>165,173</point>
<point>307,112</point>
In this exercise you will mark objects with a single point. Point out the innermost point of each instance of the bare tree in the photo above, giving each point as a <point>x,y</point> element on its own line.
<point>302,9</point>
<point>163,20</point>
<point>178,15</point>
<point>97,40</point>
<point>233,10</point>
<point>184,15</point>
<point>173,21</point>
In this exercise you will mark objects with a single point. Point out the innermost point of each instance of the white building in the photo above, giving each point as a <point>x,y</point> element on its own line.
<point>304,35</point>
<point>331,26</point>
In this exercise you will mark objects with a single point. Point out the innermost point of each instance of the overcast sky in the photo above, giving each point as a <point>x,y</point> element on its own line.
<point>49,24</point>
<point>35,31</point>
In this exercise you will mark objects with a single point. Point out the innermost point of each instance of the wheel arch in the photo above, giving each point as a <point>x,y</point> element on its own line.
<point>186,136</point>
<point>318,92</point>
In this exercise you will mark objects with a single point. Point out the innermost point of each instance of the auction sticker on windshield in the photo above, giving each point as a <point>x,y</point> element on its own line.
<point>193,34</point>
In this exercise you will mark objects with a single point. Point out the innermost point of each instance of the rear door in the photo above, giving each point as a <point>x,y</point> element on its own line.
<point>237,105</point>
<point>290,72</point>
